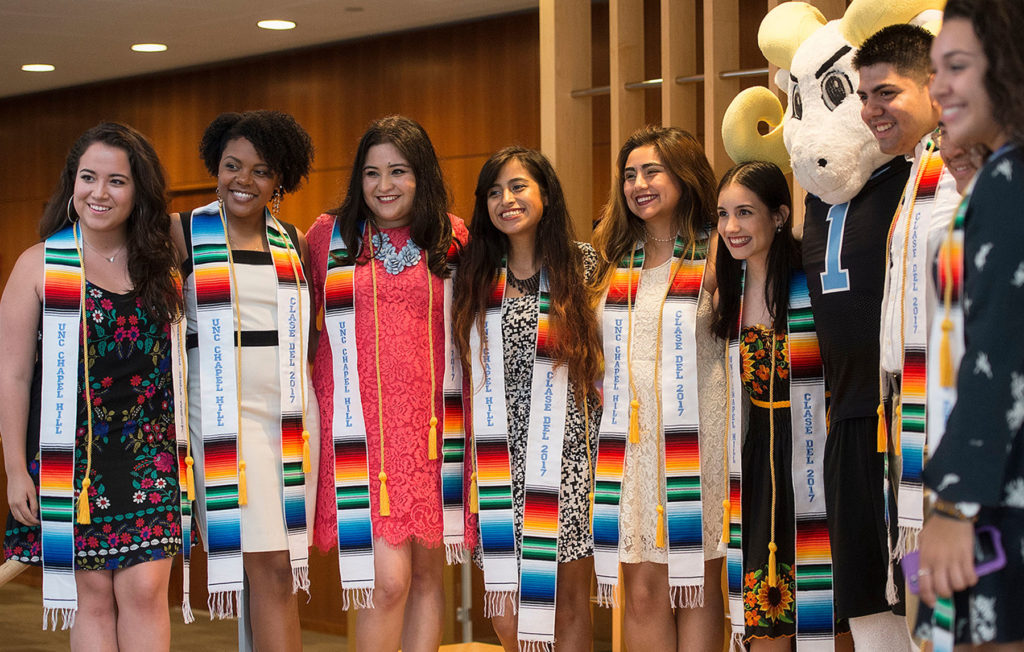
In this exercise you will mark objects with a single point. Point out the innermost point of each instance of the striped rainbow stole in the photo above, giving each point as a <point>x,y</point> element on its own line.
<point>215,325</point>
<point>63,285</point>
<point>912,424</point>
<point>813,568</point>
<point>678,414</point>
<point>813,556</point>
<point>179,377</point>
<point>490,442</point>
<point>349,436</point>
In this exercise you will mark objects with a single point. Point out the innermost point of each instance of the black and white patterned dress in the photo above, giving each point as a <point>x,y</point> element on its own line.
<point>981,456</point>
<point>519,333</point>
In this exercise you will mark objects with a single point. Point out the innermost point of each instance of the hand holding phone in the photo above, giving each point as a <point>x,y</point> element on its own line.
<point>989,556</point>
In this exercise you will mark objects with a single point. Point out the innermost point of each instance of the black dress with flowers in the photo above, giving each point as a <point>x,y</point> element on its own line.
<point>769,612</point>
<point>133,500</point>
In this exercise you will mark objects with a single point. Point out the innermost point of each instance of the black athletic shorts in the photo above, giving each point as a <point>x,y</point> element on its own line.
<point>854,501</point>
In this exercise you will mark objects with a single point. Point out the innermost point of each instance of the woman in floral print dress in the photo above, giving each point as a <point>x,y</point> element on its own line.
<point>116,189</point>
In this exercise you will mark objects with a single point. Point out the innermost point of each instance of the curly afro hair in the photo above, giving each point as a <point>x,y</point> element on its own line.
<point>279,139</point>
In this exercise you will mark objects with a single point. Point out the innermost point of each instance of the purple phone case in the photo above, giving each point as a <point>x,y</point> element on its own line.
<point>912,561</point>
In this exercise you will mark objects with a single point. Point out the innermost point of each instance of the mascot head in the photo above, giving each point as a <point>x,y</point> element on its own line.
<point>820,135</point>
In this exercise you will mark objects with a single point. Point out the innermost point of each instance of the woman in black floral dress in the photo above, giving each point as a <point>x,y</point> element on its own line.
<point>112,187</point>
<point>977,469</point>
<point>520,218</point>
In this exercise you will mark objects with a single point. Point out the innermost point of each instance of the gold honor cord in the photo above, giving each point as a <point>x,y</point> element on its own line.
<point>242,487</point>
<point>83,496</point>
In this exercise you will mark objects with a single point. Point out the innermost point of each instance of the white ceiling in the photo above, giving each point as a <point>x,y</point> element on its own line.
<point>89,40</point>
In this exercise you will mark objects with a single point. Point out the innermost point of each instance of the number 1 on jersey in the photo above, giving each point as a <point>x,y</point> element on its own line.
<point>835,278</point>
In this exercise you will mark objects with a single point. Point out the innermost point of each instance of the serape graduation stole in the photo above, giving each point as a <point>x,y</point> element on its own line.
<point>218,362</point>
<point>545,436</point>
<point>813,558</point>
<point>63,281</point>
<point>349,435</point>
<point>490,445</point>
<point>914,337</point>
<point>734,468</point>
<point>813,571</point>
<point>186,480</point>
<point>678,417</point>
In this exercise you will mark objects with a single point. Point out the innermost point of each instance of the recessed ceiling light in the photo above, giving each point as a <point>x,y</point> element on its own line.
<point>37,67</point>
<point>276,24</point>
<point>149,47</point>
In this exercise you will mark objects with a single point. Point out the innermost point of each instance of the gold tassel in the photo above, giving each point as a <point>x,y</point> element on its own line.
<point>773,575</point>
<point>590,501</point>
<point>474,495</point>
<point>432,440</point>
<point>385,500</point>
<point>883,435</point>
<point>945,355</point>
<point>306,465</point>
<point>897,425</point>
<point>320,320</point>
<point>634,421</point>
<point>242,487</point>
<point>726,515</point>
<point>83,503</point>
<point>190,478</point>
<point>660,541</point>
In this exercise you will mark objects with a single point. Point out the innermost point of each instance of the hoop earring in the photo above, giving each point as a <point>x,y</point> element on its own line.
<point>275,202</point>
<point>68,211</point>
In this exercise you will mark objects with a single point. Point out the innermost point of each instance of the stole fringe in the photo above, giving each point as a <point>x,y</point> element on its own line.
<point>890,585</point>
<point>300,579</point>
<point>536,646</point>
<point>454,553</point>
<point>494,603</point>
<point>186,610</point>
<point>224,604</point>
<point>606,595</point>
<point>686,597</point>
<point>736,643</point>
<point>52,616</point>
<point>906,541</point>
<point>357,599</point>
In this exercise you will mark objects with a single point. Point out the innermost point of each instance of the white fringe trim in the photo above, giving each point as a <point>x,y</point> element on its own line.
<point>890,585</point>
<point>66,618</point>
<point>300,580</point>
<point>186,610</point>
<point>536,646</point>
<point>606,595</point>
<point>494,603</point>
<point>356,598</point>
<point>454,553</point>
<point>686,597</point>
<point>736,643</point>
<point>906,541</point>
<point>224,604</point>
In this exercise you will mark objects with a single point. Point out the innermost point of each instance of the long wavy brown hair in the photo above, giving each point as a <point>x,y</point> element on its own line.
<point>573,323</point>
<point>151,255</point>
<point>682,155</point>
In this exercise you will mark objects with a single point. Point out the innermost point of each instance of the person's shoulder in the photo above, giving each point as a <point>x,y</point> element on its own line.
<point>322,227</point>
<point>459,230</point>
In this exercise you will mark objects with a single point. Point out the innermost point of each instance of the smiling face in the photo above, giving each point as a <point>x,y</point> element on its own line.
<point>959,162</point>
<point>897,109</point>
<point>104,194</point>
<point>959,86</point>
<point>245,183</point>
<point>389,186</point>
<point>746,224</point>
<point>515,202</point>
<point>652,192</point>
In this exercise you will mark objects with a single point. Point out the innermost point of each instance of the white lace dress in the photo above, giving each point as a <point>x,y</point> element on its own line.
<point>641,479</point>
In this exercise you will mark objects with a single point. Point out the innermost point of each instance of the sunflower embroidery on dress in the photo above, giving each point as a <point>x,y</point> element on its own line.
<point>765,605</point>
<point>756,366</point>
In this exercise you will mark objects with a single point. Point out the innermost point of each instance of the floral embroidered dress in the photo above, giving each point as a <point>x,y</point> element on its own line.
<point>134,496</point>
<point>402,299</point>
<point>768,611</point>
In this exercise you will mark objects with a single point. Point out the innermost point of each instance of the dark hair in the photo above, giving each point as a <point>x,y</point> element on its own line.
<point>431,227</point>
<point>277,137</point>
<point>151,256</point>
<point>903,46</point>
<point>573,322</point>
<point>682,155</point>
<point>769,184</point>
<point>997,24</point>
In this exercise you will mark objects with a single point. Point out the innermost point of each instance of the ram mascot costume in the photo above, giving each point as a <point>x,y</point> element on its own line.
<point>853,192</point>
